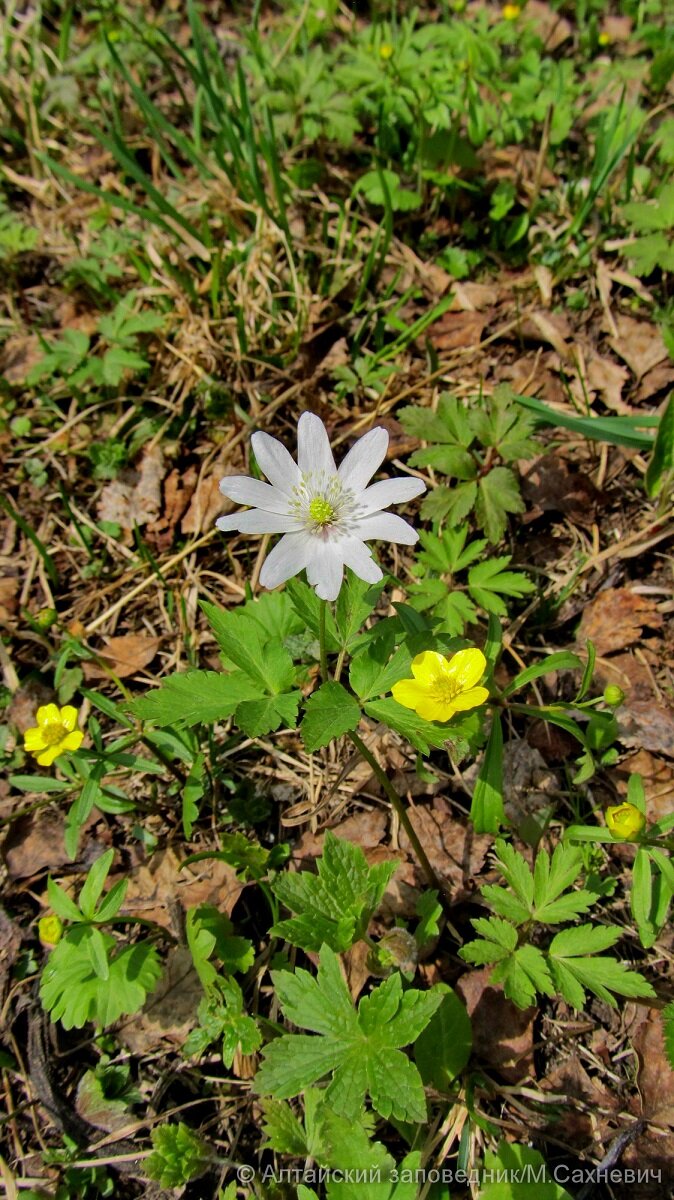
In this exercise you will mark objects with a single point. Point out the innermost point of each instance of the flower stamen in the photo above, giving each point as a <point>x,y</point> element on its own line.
<point>321,511</point>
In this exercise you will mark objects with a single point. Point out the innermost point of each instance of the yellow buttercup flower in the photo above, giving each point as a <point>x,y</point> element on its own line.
<point>50,929</point>
<point>56,731</point>
<point>625,820</point>
<point>510,12</point>
<point>443,686</point>
<point>386,51</point>
<point>604,39</point>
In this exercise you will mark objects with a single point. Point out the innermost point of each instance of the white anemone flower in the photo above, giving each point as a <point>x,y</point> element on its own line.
<point>326,515</point>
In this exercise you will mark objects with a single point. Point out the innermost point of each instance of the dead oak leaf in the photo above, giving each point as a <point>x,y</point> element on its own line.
<point>616,619</point>
<point>135,500</point>
<point>156,885</point>
<point>124,655</point>
<point>608,378</point>
<point>639,344</point>
<point>502,1033</point>
<point>178,490</point>
<point>456,330</point>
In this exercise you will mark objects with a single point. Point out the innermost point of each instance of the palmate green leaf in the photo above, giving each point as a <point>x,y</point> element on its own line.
<point>362,1050</point>
<point>330,712</point>
<point>524,974</point>
<point>72,992</point>
<point>489,580</point>
<point>192,697</point>
<point>334,906</point>
<point>443,1048</point>
<point>179,1155</point>
<point>498,494</point>
<point>376,667</point>
<point>513,1165</point>
<point>420,733</point>
<point>355,602</point>
<point>450,504</point>
<point>263,660</point>
<point>451,425</point>
<point>576,966</point>
<point>257,717</point>
<point>502,424</point>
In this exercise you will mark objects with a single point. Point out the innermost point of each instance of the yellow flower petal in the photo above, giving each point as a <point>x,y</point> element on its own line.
<point>47,757</point>
<point>69,717</point>
<point>33,739</point>
<point>436,710</point>
<point>48,715</point>
<point>470,699</point>
<point>625,820</point>
<point>409,692</point>
<point>73,741</point>
<point>466,667</point>
<point>427,666</point>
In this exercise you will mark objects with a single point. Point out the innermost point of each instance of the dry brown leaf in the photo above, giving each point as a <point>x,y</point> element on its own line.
<point>178,489</point>
<point>170,1012</point>
<point>502,1033</point>
<point>138,500</point>
<point>473,297</point>
<point>552,486</point>
<point>655,1077</point>
<point>658,781</point>
<point>618,29</point>
<point>648,724</point>
<point>155,887</point>
<point>548,327</point>
<point>545,280</point>
<point>616,618</point>
<point>639,343</point>
<point>19,355</point>
<point>125,655</point>
<point>10,940</point>
<point>9,596</point>
<point>208,502</point>
<point>607,377</point>
<point>455,330</point>
<point>659,379</point>
<point>454,850</point>
<point>35,843</point>
<point>552,28</point>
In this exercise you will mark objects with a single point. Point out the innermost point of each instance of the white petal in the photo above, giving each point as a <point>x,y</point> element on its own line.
<point>289,557</point>
<point>357,556</point>
<point>385,527</point>
<point>325,569</point>
<point>275,461</point>
<point>313,446</point>
<point>256,520</point>
<point>390,491</point>
<point>363,459</point>
<point>244,490</point>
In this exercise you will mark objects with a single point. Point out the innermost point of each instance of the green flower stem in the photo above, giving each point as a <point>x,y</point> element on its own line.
<point>399,806</point>
<point>322,617</point>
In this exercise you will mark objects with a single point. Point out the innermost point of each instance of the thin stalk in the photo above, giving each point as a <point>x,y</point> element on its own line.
<point>399,806</point>
<point>322,617</point>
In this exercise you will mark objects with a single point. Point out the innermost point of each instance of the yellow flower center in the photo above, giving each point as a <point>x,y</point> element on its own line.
<point>53,732</point>
<point>444,690</point>
<point>321,511</point>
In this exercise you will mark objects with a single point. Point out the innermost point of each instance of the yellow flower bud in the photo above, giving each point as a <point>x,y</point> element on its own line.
<point>604,39</point>
<point>50,929</point>
<point>386,51</point>
<point>625,821</point>
<point>613,695</point>
<point>510,12</point>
